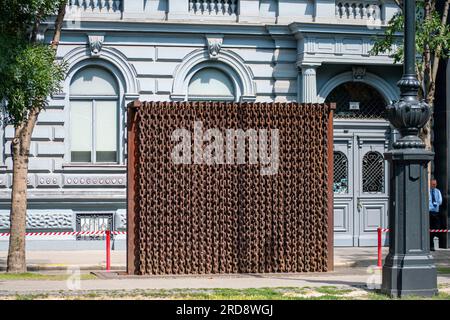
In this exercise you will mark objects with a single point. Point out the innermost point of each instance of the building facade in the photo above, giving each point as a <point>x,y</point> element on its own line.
<point>117,51</point>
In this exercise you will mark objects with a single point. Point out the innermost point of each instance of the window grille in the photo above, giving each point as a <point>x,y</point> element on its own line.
<point>373,172</point>
<point>93,222</point>
<point>371,103</point>
<point>340,175</point>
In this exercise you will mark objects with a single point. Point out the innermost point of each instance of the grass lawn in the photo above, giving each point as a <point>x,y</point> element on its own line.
<point>288,293</point>
<point>41,276</point>
<point>281,293</point>
<point>443,270</point>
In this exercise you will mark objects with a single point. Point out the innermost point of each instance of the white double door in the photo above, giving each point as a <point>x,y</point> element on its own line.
<point>360,187</point>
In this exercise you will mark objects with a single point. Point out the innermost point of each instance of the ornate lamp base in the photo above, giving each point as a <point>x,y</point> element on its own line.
<point>409,268</point>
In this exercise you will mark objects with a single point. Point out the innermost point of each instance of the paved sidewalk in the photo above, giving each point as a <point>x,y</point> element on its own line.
<point>96,259</point>
<point>60,260</point>
<point>351,271</point>
<point>343,278</point>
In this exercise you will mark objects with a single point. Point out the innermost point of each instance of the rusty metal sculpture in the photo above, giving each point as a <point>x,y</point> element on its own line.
<point>228,218</point>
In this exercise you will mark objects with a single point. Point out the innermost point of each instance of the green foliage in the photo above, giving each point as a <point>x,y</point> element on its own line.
<point>29,75</point>
<point>29,72</point>
<point>17,17</point>
<point>429,32</point>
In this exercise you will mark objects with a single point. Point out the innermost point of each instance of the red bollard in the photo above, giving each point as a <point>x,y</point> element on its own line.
<point>379,247</point>
<point>108,250</point>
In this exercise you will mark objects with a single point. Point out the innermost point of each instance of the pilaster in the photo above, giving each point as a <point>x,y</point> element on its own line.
<point>309,83</point>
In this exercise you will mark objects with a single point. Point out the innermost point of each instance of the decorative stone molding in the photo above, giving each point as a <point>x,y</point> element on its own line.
<point>213,8</point>
<point>105,6</point>
<point>94,181</point>
<point>358,73</point>
<point>110,58</point>
<point>389,92</point>
<point>228,61</point>
<point>96,44</point>
<point>358,10</point>
<point>48,181</point>
<point>333,43</point>
<point>42,220</point>
<point>214,45</point>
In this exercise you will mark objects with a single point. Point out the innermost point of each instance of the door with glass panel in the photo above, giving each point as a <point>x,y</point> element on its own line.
<point>371,194</point>
<point>93,117</point>
<point>360,189</point>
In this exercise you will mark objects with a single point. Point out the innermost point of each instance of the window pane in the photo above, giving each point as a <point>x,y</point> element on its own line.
<point>106,131</point>
<point>211,82</point>
<point>340,173</point>
<point>93,81</point>
<point>81,130</point>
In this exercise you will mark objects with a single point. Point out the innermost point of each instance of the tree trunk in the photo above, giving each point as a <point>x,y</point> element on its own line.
<point>20,150</point>
<point>58,25</point>
<point>16,253</point>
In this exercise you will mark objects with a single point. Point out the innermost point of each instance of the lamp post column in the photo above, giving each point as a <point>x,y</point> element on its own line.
<point>409,268</point>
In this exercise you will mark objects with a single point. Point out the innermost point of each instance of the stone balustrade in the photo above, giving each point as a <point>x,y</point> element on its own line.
<point>213,7</point>
<point>267,11</point>
<point>99,6</point>
<point>358,10</point>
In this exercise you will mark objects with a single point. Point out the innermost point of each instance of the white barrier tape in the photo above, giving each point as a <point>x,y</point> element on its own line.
<point>65,233</point>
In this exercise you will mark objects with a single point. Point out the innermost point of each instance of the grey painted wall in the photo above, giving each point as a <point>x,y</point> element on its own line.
<point>151,49</point>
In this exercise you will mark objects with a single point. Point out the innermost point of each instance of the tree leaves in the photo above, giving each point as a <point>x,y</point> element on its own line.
<point>28,70</point>
<point>432,43</point>
<point>29,77</point>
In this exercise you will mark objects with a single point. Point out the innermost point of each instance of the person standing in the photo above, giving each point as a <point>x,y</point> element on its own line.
<point>435,200</point>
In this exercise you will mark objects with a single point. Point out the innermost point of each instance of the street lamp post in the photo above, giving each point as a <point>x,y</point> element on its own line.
<point>409,268</point>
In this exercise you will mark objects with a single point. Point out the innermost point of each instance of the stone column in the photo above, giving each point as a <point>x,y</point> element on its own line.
<point>309,84</point>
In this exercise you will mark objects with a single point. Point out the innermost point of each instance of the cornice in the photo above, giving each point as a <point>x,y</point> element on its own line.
<point>299,28</point>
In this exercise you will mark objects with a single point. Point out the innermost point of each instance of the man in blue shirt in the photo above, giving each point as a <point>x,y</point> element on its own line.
<point>435,200</point>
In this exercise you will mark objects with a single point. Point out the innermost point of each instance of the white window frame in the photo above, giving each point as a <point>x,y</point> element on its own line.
<point>92,100</point>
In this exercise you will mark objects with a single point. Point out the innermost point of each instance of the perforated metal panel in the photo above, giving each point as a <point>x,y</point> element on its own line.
<point>373,172</point>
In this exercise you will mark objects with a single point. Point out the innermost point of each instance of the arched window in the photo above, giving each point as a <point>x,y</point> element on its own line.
<point>357,100</point>
<point>211,84</point>
<point>340,174</point>
<point>94,95</point>
<point>373,172</point>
